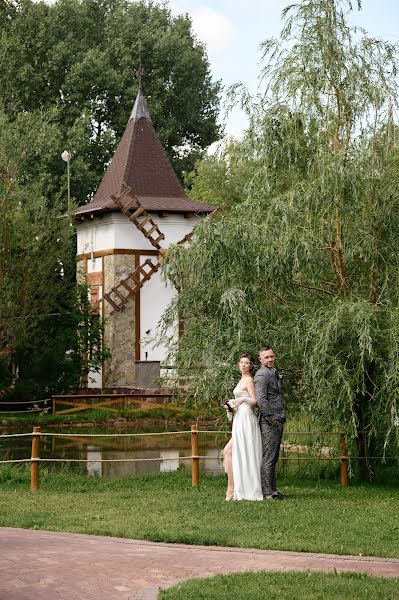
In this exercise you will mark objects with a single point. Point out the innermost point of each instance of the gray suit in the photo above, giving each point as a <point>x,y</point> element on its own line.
<point>271,420</point>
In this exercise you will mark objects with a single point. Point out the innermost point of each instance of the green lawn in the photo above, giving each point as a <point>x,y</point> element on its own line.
<point>286,586</point>
<point>316,516</point>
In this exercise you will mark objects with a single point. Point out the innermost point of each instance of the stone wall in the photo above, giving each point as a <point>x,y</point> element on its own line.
<point>81,266</point>
<point>119,335</point>
<point>147,374</point>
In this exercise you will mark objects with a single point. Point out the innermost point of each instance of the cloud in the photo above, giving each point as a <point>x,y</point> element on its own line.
<point>213,28</point>
<point>262,4</point>
<point>178,6</point>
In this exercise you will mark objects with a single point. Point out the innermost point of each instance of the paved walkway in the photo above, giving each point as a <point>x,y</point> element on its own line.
<point>43,565</point>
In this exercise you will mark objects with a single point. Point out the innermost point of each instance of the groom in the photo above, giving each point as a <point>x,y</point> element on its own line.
<point>271,419</point>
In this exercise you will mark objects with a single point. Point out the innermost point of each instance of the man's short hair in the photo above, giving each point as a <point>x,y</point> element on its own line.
<point>265,348</point>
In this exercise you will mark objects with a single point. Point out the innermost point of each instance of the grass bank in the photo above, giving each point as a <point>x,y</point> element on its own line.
<point>101,417</point>
<point>285,586</point>
<point>317,516</point>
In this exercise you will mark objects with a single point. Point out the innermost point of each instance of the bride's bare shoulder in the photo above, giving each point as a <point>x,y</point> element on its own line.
<point>247,380</point>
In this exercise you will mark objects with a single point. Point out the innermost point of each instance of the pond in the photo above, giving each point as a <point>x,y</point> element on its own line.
<point>78,443</point>
<point>160,453</point>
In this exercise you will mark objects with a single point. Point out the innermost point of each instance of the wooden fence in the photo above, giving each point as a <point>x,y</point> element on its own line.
<point>109,402</point>
<point>195,457</point>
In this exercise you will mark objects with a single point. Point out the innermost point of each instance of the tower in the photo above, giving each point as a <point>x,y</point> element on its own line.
<point>139,209</point>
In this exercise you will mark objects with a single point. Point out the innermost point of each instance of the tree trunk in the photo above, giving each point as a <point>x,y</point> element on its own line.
<point>365,473</point>
<point>365,443</point>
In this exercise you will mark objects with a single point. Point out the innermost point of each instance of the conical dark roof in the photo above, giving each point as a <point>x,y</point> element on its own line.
<point>142,163</point>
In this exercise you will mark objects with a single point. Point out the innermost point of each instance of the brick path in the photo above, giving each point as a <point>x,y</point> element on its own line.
<point>43,565</point>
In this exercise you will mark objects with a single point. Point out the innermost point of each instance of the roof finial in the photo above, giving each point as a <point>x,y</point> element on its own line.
<point>140,70</point>
<point>140,75</point>
<point>140,109</point>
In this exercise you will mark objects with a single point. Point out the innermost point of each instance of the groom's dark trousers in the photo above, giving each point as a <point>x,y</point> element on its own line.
<point>271,421</point>
<point>272,431</point>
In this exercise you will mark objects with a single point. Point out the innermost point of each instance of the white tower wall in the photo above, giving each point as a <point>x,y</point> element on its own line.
<point>113,233</point>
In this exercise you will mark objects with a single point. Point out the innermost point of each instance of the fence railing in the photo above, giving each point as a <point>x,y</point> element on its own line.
<point>195,456</point>
<point>109,402</point>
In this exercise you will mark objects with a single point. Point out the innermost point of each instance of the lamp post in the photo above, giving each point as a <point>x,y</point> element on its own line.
<point>66,156</point>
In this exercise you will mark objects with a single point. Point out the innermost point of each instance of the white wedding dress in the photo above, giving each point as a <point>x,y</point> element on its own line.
<point>247,450</point>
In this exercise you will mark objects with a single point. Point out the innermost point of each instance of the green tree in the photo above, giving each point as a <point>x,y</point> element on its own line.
<point>40,313</point>
<point>309,262</point>
<point>36,243</point>
<point>82,56</point>
<point>58,359</point>
<point>220,178</point>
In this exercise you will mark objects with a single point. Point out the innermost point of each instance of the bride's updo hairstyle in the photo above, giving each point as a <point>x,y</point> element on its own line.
<point>251,362</point>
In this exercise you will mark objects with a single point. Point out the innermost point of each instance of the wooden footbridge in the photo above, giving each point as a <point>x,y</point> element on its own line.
<point>112,400</point>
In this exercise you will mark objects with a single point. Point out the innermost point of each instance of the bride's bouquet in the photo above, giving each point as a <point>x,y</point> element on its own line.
<point>231,407</point>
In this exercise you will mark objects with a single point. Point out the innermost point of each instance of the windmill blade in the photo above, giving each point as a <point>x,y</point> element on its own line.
<point>119,296</point>
<point>139,217</point>
<point>187,238</point>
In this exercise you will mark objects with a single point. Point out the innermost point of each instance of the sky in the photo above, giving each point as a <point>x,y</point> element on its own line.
<point>234,29</point>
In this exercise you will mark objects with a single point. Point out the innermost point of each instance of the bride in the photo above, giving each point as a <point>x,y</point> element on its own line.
<point>243,453</point>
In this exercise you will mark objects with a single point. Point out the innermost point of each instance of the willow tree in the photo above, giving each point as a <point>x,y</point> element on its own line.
<point>309,261</point>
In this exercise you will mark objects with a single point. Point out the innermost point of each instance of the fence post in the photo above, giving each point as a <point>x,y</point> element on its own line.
<point>54,406</point>
<point>34,467</point>
<point>194,456</point>
<point>344,460</point>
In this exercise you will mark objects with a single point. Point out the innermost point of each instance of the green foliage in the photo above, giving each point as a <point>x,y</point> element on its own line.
<point>40,311</point>
<point>36,242</point>
<point>82,55</point>
<point>309,262</point>
<point>70,345</point>
<point>220,179</point>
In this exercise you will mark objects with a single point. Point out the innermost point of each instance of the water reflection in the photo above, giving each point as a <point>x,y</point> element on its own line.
<point>94,468</point>
<point>170,462</point>
<point>162,461</point>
